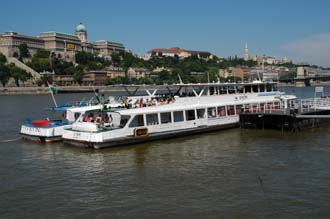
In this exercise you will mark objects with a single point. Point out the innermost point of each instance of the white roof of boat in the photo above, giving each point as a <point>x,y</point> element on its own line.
<point>187,85</point>
<point>84,108</point>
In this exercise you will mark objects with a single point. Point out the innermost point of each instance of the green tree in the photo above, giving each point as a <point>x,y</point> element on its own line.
<point>78,77</point>
<point>84,57</point>
<point>3,58</point>
<point>39,64</point>
<point>4,74</point>
<point>116,59</point>
<point>18,74</point>
<point>15,54</point>
<point>23,51</point>
<point>42,53</point>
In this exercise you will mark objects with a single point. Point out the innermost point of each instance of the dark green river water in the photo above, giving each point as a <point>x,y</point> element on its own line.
<point>227,174</point>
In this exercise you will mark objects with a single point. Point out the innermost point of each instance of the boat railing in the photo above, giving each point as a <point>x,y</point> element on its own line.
<point>301,106</point>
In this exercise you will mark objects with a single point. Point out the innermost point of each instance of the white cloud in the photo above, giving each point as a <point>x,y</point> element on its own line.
<point>314,49</point>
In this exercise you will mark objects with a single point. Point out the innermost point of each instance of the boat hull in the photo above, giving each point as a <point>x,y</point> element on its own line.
<point>43,139</point>
<point>152,137</point>
<point>42,134</point>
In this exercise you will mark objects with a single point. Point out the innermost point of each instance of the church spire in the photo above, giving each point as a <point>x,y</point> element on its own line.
<point>246,52</point>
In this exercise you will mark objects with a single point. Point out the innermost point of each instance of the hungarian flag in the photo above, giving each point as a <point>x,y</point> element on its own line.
<point>52,88</point>
<point>96,93</point>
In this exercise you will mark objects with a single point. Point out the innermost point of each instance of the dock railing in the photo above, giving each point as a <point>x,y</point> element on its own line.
<point>301,106</point>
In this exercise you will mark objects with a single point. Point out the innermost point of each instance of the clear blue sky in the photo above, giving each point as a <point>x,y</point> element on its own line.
<point>298,29</point>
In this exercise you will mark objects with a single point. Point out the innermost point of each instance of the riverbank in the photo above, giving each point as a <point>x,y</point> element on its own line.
<point>89,89</point>
<point>59,89</point>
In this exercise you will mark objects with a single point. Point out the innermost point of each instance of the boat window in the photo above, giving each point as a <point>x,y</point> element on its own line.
<point>211,112</point>
<point>211,90</point>
<point>231,89</point>
<point>123,120</point>
<point>240,89</point>
<point>261,107</point>
<point>200,113</point>
<point>152,119</point>
<point>262,87</point>
<point>255,88</point>
<point>239,109</point>
<point>137,121</point>
<point>268,87</point>
<point>230,110</point>
<point>221,111</point>
<point>190,115</point>
<point>178,116</point>
<point>275,87</point>
<point>248,89</point>
<point>76,116</point>
<point>165,118</point>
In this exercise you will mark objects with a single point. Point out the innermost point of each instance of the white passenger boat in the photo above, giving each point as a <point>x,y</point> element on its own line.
<point>213,107</point>
<point>51,129</point>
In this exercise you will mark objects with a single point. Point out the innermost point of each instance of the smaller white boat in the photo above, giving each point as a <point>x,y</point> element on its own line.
<point>51,129</point>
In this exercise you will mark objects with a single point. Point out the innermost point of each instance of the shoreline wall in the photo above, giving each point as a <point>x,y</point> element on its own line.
<point>86,89</point>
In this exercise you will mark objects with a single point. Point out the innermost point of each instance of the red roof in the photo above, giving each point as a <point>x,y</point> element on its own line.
<point>175,50</point>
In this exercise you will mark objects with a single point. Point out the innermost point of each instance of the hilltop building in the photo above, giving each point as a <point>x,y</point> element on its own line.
<point>181,53</point>
<point>270,60</point>
<point>62,44</point>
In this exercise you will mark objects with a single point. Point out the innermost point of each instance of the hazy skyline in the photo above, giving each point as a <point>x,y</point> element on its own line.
<point>296,29</point>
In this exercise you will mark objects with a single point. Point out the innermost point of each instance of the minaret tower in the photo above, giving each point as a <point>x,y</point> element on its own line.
<point>246,53</point>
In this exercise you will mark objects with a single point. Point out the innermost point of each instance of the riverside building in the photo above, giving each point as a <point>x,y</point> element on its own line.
<point>64,45</point>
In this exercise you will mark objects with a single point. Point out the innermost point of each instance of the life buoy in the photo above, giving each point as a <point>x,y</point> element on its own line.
<point>141,132</point>
<point>40,123</point>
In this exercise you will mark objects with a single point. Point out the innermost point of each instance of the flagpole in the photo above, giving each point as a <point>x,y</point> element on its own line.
<point>51,89</point>
<point>51,93</point>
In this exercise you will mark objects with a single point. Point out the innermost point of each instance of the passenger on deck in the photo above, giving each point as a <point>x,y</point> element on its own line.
<point>154,102</point>
<point>99,118</point>
<point>88,118</point>
<point>172,100</point>
<point>141,103</point>
<point>107,121</point>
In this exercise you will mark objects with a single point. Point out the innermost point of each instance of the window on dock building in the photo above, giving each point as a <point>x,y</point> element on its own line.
<point>152,119</point>
<point>165,118</point>
<point>178,116</point>
<point>190,115</point>
<point>137,121</point>
<point>200,113</point>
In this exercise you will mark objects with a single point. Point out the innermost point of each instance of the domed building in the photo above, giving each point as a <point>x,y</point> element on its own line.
<point>81,32</point>
<point>64,45</point>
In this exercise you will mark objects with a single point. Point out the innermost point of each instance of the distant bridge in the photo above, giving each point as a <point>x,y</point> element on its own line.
<point>305,80</point>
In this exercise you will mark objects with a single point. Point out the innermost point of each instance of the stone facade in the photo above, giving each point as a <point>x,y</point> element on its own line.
<point>63,44</point>
<point>10,42</point>
<point>138,73</point>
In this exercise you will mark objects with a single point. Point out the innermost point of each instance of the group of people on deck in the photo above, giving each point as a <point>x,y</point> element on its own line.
<point>153,101</point>
<point>99,119</point>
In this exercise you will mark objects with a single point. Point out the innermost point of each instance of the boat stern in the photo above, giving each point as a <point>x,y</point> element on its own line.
<point>50,133</point>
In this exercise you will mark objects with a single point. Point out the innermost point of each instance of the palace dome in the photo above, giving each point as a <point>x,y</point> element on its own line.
<point>81,28</point>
